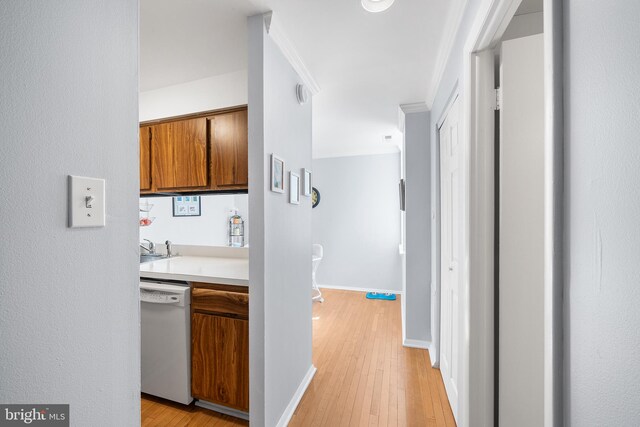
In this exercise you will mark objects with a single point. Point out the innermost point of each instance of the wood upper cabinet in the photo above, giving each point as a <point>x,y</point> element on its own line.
<point>228,136</point>
<point>220,360</point>
<point>205,151</point>
<point>145,158</point>
<point>179,155</point>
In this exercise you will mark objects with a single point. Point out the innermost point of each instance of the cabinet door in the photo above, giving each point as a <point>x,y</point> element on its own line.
<point>145,158</point>
<point>220,360</point>
<point>179,154</point>
<point>229,150</point>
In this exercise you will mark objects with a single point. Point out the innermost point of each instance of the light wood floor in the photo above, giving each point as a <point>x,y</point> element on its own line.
<point>365,376</point>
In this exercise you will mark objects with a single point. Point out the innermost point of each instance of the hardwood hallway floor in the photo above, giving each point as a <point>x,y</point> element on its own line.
<point>365,376</point>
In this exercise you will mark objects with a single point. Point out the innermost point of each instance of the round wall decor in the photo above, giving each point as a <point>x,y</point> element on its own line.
<point>315,197</point>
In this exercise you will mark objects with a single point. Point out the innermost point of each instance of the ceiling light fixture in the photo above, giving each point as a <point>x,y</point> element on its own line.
<point>376,6</point>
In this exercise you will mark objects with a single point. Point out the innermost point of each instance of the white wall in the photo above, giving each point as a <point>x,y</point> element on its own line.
<point>418,232</point>
<point>226,90</point>
<point>280,250</point>
<point>602,213</point>
<point>69,309</point>
<point>358,221</point>
<point>209,229</point>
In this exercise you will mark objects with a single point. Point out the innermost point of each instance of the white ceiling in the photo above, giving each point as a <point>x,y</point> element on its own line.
<point>365,64</point>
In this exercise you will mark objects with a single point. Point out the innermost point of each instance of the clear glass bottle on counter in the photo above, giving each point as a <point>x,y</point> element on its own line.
<point>236,230</point>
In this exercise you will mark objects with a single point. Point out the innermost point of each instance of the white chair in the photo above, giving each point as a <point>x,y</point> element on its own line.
<point>316,256</point>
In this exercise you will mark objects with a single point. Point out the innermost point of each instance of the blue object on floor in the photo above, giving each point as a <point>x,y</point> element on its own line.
<point>376,295</point>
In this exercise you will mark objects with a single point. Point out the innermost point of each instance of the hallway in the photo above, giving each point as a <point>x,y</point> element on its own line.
<point>365,376</point>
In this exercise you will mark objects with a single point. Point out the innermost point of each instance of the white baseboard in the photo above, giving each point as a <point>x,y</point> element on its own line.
<point>295,400</point>
<point>356,289</point>
<point>223,409</point>
<point>416,344</point>
<point>435,360</point>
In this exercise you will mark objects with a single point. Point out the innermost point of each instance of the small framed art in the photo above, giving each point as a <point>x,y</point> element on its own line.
<point>187,206</point>
<point>294,188</point>
<point>307,187</point>
<point>277,174</point>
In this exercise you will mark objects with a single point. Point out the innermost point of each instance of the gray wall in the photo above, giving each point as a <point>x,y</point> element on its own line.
<point>69,310</point>
<point>602,217</point>
<point>358,221</point>
<point>418,232</point>
<point>280,250</point>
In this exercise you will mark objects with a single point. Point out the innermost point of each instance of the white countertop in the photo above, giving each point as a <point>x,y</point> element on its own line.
<point>225,271</point>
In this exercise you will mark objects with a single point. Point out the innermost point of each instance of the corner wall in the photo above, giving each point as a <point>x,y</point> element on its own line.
<point>280,250</point>
<point>69,298</point>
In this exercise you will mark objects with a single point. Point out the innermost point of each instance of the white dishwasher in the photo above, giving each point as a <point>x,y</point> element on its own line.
<point>165,323</point>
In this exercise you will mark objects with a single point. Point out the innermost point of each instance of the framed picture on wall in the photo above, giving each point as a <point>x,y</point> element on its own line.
<point>294,188</point>
<point>277,174</point>
<point>307,188</point>
<point>187,206</point>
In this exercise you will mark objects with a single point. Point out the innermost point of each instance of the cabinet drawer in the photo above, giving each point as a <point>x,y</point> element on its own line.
<point>211,301</point>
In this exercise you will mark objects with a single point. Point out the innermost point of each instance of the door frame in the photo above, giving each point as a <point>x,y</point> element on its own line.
<point>477,293</point>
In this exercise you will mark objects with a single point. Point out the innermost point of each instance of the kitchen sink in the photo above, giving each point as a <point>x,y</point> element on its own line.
<point>151,257</point>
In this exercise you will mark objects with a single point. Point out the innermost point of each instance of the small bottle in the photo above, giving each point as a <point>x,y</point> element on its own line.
<point>236,230</point>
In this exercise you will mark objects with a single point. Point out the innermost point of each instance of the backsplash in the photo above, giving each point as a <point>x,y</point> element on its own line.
<point>209,229</point>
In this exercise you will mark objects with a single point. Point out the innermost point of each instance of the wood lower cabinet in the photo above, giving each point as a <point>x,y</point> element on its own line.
<point>220,347</point>
<point>145,158</point>
<point>228,136</point>
<point>179,155</point>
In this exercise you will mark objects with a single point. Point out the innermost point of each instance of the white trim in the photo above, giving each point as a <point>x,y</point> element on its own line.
<point>416,107</point>
<point>223,409</point>
<point>446,46</point>
<point>275,30</point>
<point>297,396</point>
<point>425,345</point>
<point>435,361</point>
<point>358,289</point>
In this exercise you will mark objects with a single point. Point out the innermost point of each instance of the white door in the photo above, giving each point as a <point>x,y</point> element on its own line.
<point>521,236</point>
<point>450,235</point>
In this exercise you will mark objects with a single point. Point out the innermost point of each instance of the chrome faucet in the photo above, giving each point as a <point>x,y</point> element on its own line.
<point>151,249</point>
<point>168,243</point>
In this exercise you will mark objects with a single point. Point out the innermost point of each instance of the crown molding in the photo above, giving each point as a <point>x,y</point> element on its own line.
<point>274,29</point>
<point>444,52</point>
<point>416,107</point>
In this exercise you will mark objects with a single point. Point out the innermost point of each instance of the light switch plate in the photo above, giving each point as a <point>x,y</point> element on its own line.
<point>86,202</point>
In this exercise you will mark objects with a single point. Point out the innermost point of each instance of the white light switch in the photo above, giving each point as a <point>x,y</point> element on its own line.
<point>86,202</point>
